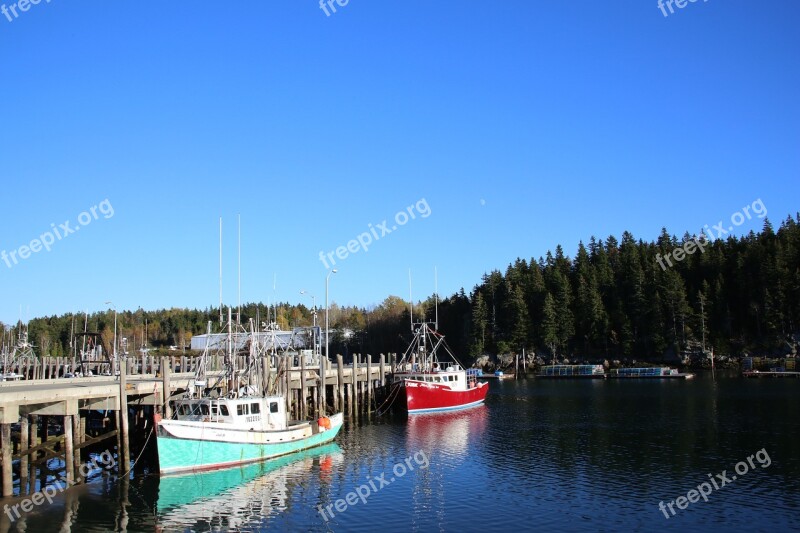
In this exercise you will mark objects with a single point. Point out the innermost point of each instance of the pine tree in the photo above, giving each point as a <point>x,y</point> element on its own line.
<point>479,322</point>
<point>550,325</point>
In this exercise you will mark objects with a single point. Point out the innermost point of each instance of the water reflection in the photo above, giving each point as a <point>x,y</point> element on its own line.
<point>550,455</point>
<point>449,433</point>
<point>235,497</point>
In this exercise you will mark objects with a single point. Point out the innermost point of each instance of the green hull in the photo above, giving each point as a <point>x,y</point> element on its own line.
<point>186,455</point>
<point>178,491</point>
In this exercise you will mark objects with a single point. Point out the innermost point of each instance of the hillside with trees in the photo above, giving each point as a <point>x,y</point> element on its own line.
<point>613,299</point>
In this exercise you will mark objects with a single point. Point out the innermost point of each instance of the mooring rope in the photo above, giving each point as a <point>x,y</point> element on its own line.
<point>390,398</point>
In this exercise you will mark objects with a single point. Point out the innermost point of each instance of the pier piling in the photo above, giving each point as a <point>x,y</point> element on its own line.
<point>7,447</point>
<point>165,387</point>
<point>68,450</point>
<point>23,460</point>
<point>124,451</point>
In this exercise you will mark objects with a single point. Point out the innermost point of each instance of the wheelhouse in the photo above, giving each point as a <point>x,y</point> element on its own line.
<point>254,413</point>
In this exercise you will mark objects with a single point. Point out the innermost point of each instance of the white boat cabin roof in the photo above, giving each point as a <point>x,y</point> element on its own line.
<point>256,412</point>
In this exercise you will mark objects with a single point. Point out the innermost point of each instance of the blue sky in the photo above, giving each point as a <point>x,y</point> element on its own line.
<point>522,125</point>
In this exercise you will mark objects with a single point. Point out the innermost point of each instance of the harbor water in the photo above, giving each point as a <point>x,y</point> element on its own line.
<point>545,455</point>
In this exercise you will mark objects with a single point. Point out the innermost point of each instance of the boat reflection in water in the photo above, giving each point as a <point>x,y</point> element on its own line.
<point>233,497</point>
<point>454,441</point>
<point>447,433</point>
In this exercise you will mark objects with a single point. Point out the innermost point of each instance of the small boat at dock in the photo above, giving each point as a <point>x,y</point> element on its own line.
<point>498,374</point>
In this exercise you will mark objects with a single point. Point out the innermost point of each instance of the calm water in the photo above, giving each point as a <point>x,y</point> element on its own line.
<point>547,455</point>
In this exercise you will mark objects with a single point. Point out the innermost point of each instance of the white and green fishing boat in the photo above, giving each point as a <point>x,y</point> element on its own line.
<point>218,427</point>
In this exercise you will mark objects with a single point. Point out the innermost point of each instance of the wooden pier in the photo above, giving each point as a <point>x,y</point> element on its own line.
<point>770,374</point>
<point>87,409</point>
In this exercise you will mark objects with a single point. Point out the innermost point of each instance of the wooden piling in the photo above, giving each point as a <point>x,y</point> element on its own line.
<point>340,383</point>
<point>69,462</point>
<point>303,395</point>
<point>76,439</point>
<point>7,479</point>
<point>23,460</point>
<point>125,455</point>
<point>382,364</point>
<point>368,402</point>
<point>33,431</point>
<point>165,388</point>
<point>118,420</point>
<point>287,379</point>
<point>322,392</point>
<point>354,388</point>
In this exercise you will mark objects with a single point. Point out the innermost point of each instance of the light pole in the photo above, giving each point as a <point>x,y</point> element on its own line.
<point>115,331</point>
<point>314,303</point>
<point>327,331</point>
<point>314,314</point>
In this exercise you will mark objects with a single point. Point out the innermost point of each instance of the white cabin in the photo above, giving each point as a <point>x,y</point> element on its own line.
<point>454,377</point>
<point>259,414</point>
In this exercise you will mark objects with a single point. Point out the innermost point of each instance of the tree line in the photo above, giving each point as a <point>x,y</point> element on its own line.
<point>615,298</point>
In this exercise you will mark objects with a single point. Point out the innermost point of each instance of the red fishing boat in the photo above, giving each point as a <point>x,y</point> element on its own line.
<point>426,383</point>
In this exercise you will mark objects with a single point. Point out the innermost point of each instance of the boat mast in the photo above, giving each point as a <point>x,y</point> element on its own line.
<point>411,317</point>
<point>231,358</point>
<point>220,271</point>
<point>239,308</point>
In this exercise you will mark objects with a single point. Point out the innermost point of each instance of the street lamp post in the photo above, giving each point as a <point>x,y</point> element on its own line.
<point>115,331</point>
<point>314,303</point>
<point>327,331</point>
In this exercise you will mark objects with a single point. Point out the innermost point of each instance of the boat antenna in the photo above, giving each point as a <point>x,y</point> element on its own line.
<point>410,301</point>
<point>220,271</point>
<point>436,294</point>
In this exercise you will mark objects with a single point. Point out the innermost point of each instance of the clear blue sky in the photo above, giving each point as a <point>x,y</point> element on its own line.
<point>523,124</point>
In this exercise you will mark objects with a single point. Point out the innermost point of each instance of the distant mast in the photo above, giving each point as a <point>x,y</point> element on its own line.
<point>436,295</point>
<point>410,301</point>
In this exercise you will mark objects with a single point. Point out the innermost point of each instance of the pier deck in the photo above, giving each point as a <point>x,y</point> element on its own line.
<point>146,384</point>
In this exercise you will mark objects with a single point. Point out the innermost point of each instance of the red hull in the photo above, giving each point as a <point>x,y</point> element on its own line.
<point>422,397</point>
